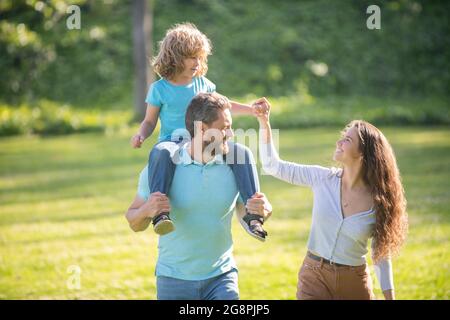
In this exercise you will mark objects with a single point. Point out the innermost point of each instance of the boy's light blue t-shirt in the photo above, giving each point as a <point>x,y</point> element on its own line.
<point>173,100</point>
<point>202,199</point>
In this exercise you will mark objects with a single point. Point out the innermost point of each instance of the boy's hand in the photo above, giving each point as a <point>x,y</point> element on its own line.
<point>137,140</point>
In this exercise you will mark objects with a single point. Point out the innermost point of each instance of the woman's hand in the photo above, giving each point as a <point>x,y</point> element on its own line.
<point>261,109</point>
<point>389,294</point>
<point>262,112</point>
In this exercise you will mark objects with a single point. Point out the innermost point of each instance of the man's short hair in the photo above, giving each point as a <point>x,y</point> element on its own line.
<point>205,107</point>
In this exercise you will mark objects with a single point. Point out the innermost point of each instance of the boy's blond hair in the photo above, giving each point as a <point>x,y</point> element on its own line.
<point>181,41</point>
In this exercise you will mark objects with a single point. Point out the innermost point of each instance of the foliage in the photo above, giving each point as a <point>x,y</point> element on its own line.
<point>49,118</point>
<point>42,59</point>
<point>296,111</point>
<point>261,47</point>
<point>300,111</point>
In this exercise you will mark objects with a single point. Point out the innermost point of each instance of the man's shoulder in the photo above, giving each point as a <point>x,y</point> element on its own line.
<point>144,172</point>
<point>143,187</point>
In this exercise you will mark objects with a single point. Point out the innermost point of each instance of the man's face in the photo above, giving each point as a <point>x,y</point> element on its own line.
<point>216,136</point>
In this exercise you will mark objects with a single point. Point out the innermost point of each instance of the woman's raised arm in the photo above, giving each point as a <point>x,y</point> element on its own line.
<point>299,174</point>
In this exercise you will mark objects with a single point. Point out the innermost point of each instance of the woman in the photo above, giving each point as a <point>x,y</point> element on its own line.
<point>363,199</point>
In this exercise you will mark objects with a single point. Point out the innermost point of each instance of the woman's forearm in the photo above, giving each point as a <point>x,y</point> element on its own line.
<point>384,271</point>
<point>269,157</point>
<point>265,131</point>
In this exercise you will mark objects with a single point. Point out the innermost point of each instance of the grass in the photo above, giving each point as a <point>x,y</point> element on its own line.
<point>62,203</point>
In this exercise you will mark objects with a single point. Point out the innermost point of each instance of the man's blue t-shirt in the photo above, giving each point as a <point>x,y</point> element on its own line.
<point>173,100</point>
<point>202,199</point>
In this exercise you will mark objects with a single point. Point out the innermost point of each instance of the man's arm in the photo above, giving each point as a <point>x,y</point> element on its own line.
<point>240,210</point>
<point>141,212</point>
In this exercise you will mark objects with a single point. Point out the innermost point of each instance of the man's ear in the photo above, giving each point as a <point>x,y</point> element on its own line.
<point>205,127</point>
<point>198,128</point>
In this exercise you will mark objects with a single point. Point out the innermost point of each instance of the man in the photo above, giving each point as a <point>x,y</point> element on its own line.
<point>196,260</point>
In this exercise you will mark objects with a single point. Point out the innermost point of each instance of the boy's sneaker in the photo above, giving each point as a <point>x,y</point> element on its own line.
<point>254,229</point>
<point>162,224</point>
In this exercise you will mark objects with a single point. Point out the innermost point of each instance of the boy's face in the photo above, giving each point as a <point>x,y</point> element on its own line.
<point>192,65</point>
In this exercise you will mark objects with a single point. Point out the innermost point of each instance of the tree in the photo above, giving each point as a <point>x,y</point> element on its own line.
<point>142,51</point>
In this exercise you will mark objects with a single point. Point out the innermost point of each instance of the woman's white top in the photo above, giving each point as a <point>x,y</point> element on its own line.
<point>333,237</point>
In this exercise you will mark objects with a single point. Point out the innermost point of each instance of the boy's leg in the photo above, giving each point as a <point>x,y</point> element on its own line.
<point>241,161</point>
<point>161,169</point>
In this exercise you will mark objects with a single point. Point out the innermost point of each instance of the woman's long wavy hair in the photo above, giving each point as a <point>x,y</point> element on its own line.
<point>181,41</point>
<point>381,174</point>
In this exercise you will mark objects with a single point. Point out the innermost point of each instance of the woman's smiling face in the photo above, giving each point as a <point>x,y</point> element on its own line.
<point>347,148</point>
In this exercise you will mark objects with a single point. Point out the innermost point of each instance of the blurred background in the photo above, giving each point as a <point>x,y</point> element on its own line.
<point>70,99</point>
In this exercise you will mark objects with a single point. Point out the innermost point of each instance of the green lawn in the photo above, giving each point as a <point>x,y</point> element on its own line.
<point>62,203</point>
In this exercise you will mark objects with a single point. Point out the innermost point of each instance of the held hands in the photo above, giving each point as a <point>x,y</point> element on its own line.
<point>261,109</point>
<point>258,204</point>
<point>137,140</point>
<point>156,204</point>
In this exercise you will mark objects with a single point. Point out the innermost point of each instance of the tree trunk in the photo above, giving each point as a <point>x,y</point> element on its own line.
<point>142,52</point>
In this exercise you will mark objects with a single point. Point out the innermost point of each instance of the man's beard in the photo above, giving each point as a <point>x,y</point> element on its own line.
<point>215,148</point>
